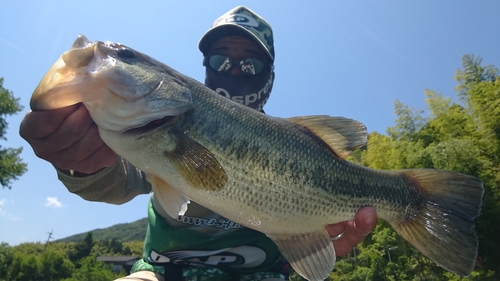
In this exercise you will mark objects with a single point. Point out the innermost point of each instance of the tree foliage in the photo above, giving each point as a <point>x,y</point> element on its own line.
<point>57,261</point>
<point>82,249</point>
<point>92,269</point>
<point>11,166</point>
<point>462,137</point>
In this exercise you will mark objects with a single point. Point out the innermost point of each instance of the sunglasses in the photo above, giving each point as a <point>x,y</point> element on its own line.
<point>248,66</point>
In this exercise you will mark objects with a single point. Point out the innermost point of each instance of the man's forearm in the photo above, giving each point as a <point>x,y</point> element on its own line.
<point>117,184</point>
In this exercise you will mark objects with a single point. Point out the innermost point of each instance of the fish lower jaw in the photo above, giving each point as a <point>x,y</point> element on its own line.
<point>151,125</point>
<point>130,125</point>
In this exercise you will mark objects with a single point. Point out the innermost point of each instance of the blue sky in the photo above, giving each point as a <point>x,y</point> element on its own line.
<point>341,58</point>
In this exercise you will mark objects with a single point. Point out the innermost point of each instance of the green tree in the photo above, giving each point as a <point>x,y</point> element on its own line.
<point>94,270</point>
<point>408,123</point>
<point>480,88</point>
<point>112,246</point>
<point>26,268</point>
<point>460,137</point>
<point>82,249</point>
<point>6,260</point>
<point>11,166</point>
<point>36,261</point>
<point>135,247</point>
<point>55,266</point>
<point>472,73</point>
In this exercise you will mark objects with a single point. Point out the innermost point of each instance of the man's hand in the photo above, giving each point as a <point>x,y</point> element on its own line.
<point>68,138</point>
<point>353,231</point>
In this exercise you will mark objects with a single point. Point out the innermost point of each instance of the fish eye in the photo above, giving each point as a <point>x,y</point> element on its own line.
<point>126,54</point>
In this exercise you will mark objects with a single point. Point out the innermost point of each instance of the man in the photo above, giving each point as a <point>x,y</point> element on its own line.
<point>239,59</point>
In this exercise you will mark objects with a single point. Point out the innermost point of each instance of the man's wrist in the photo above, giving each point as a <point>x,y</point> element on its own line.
<point>77,174</point>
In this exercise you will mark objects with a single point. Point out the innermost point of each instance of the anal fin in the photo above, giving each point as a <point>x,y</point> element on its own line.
<point>312,255</point>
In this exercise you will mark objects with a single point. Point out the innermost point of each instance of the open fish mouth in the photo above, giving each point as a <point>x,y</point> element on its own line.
<point>153,125</point>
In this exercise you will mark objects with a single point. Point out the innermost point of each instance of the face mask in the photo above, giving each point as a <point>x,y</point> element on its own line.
<point>252,91</point>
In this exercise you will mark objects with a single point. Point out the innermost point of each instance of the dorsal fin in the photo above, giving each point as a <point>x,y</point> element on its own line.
<point>342,135</point>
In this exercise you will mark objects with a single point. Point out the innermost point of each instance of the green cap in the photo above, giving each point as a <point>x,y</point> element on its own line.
<point>243,22</point>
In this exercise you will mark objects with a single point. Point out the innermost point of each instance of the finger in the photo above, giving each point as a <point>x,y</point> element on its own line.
<point>101,158</point>
<point>365,221</point>
<point>73,128</point>
<point>82,151</point>
<point>355,230</point>
<point>40,124</point>
<point>336,229</point>
<point>85,145</point>
<point>88,155</point>
<point>105,156</point>
<point>342,245</point>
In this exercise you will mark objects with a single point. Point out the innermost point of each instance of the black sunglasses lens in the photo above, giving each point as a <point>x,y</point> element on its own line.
<point>220,63</point>
<point>250,66</point>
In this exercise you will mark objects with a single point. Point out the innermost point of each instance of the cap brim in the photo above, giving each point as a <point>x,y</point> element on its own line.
<point>228,29</point>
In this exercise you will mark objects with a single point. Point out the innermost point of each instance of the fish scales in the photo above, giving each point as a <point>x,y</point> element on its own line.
<point>285,177</point>
<point>268,155</point>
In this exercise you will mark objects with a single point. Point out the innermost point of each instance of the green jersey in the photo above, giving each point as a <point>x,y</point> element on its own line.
<point>204,239</point>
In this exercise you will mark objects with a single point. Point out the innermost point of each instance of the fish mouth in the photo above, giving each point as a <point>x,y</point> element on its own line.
<point>154,125</point>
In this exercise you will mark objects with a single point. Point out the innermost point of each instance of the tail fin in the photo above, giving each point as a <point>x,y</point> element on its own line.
<point>443,229</point>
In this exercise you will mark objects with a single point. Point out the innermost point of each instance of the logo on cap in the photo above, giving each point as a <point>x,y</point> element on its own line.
<point>242,19</point>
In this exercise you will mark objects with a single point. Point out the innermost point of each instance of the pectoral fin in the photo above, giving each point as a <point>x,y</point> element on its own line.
<point>196,164</point>
<point>342,135</point>
<point>172,201</point>
<point>311,255</point>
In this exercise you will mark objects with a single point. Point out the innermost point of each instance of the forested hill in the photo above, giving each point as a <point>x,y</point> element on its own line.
<point>122,232</point>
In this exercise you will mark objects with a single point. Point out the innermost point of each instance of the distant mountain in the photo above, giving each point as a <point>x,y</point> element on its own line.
<point>122,232</point>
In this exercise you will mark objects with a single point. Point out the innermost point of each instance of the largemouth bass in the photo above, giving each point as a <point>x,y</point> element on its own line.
<point>285,177</point>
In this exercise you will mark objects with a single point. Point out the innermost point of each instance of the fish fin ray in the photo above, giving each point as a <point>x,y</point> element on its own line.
<point>197,164</point>
<point>342,135</point>
<point>172,201</point>
<point>443,228</point>
<point>314,259</point>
